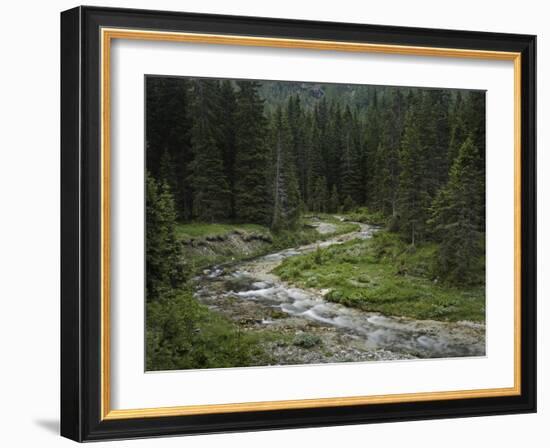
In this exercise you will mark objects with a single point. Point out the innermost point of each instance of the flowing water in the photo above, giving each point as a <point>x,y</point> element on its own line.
<point>250,294</point>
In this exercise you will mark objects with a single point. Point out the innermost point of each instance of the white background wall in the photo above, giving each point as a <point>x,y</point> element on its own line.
<point>29,223</point>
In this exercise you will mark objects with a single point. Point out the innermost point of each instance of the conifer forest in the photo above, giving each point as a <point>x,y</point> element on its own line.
<point>297,223</point>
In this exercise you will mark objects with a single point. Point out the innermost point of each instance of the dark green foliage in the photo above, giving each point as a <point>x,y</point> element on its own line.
<point>211,189</point>
<point>315,176</point>
<point>414,198</point>
<point>372,162</point>
<point>385,182</point>
<point>457,217</point>
<point>335,148</point>
<point>298,128</point>
<point>437,125</point>
<point>286,194</point>
<point>334,201</point>
<point>350,159</point>
<point>183,334</point>
<point>319,196</point>
<point>349,204</point>
<point>346,139</point>
<point>252,157</point>
<point>383,141</point>
<point>367,216</point>
<point>167,170</point>
<point>306,340</point>
<point>469,117</point>
<point>227,140</point>
<point>242,151</point>
<point>163,268</point>
<point>168,134</point>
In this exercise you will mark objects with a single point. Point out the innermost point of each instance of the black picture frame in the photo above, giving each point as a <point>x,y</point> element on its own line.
<point>81,224</point>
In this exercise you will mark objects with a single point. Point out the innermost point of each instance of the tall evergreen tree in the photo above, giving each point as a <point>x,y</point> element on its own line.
<point>334,147</point>
<point>297,126</point>
<point>457,217</point>
<point>458,127</point>
<point>438,113</point>
<point>414,199</point>
<point>286,194</point>
<point>310,157</point>
<point>371,161</point>
<point>227,138</point>
<point>385,182</point>
<point>334,201</point>
<point>319,195</point>
<point>167,171</point>
<point>208,177</point>
<point>384,159</point>
<point>350,160</point>
<point>316,166</point>
<point>476,125</point>
<point>168,132</point>
<point>163,270</point>
<point>467,119</point>
<point>252,156</point>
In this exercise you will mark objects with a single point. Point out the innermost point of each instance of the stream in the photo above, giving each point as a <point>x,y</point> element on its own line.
<point>319,331</point>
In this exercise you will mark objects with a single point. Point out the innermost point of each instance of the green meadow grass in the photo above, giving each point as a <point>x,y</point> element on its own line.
<point>385,275</point>
<point>200,229</point>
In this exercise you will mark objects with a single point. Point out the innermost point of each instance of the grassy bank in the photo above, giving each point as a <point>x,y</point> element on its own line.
<point>193,230</point>
<point>185,334</point>
<point>364,215</point>
<point>385,275</point>
<point>204,244</point>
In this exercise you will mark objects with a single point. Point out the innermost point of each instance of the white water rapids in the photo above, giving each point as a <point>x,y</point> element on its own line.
<point>250,287</point>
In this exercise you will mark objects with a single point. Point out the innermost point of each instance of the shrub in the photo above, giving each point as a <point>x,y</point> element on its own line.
<point>183,334</point>
<point>306,340</point>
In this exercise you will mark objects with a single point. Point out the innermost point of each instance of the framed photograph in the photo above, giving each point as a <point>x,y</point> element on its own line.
<point>276,224</point>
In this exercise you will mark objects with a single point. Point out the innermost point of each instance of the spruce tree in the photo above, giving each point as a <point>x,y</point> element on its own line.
<point>208,178</point>
<point>227,139</point>
<point>297,126</point>
<point>414,199</point>
<point>167,171</point>
<point>458,127</point>
<point>476,125</point>
<point>168,127</point>
<point>350,162</point>
<point>316,170</point>
<point>457,218</point>
<point>372,163</point>
<point>335,146</point>
<point>163,270</point>
<point>252,156</point>
<point>319,195</point>
<point>286,194</point>
<point>384,183</point>
<point>348,204</point>
<point>385,176</point>
<point>439,114</point>
<point>309,156</point>
<point>467,119</point>
<point>334,201</point>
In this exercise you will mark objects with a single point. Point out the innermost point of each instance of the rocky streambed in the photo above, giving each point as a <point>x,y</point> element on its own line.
<point>301,327</point>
